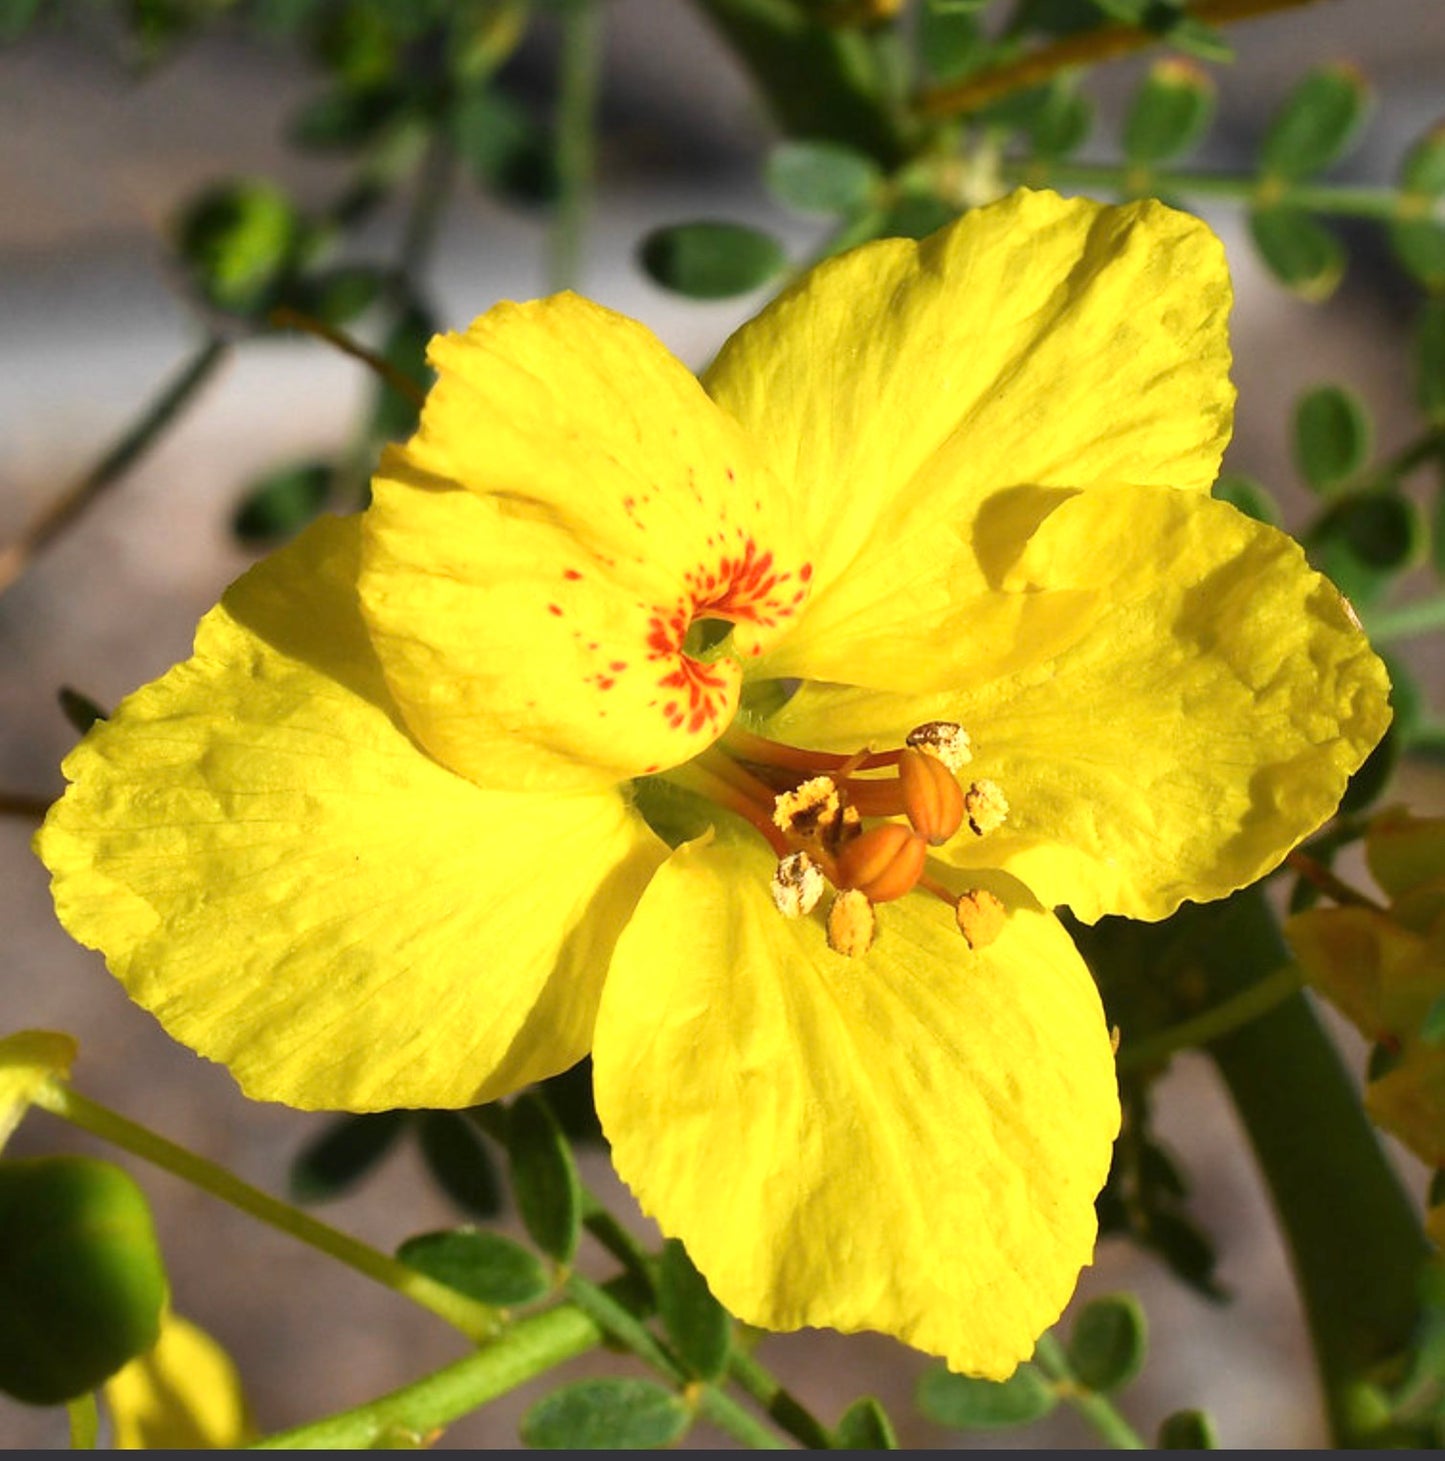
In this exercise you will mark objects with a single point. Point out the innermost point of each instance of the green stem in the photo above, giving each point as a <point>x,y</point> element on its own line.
<point>1353,1234</point>
<point>1051,1357</point>
<point>1351,201</point>
<point>121,457</point>
<point>1089,48</point>
<point>475,1320</point>
<point>580,68</point>
<point>1230,1014</point>
<point>778,1402</point>
<point>84,1422</point>
<point>1423,616</point>
<point>415,1413</point>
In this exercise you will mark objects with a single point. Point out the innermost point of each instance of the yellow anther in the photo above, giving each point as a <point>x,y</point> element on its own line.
<point>850,924</point>
<point>884,863</point>
<point>985,806</point>
<point>798,884</point>
<point>981,917</point>
<point>945,739</point>
<point>932,797</point>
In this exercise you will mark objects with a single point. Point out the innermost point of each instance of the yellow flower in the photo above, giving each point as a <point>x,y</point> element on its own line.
<point>391,836</point>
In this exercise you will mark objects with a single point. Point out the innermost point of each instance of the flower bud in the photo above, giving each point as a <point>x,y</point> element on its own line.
<point>932,797</point>
<point>884,863</point>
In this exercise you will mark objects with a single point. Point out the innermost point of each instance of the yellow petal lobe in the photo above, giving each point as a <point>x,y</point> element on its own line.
<point>275,869</point>
<point>909,1140</point>
<point>28,1059</point>
<point>571,506</point>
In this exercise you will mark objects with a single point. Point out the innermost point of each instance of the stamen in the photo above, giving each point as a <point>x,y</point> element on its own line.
<point>809,810</point>
<point>985,806</point>
<point>932,797</point>
<point>798,884</point>
<point>850,924</point>
<point>751,747</point>
<point>884,863</point>
<point>945,739</point>
<point>981,917</point>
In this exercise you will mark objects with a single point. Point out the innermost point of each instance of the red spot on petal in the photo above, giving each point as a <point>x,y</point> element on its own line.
<point>555,609</point>
<point>572,574</point>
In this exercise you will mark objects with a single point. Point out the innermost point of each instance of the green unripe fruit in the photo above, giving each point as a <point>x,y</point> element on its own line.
<point>82,1284</point>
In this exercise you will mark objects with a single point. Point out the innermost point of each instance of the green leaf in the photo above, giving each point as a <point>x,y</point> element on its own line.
<point>821,177</point>
<point>1063,125</point>
<point>337,296</point>
<point>457,1157</point>
<point>349,1148</point>
<point>1423,170</point>
<point>865,1427</point>
<point>950,43</point>
<point>1188,1430</point>
<point>1109,1341</point>
<point>1195,38</point>
<point>239,241</point>
<point>484,1266</point>
<point>1301,254</point>
<point>622,1415</point>
<point>1318,122</point>
<point>80,710</point>
<point>1331,436</point>
<point>394,417</point>
<point>1430,361</point>
<point>1187,1250</point>
<point>1432,1027</point>
<point>1420,246</point>
<point>700,1328</point>
<point>507,151</point>
<point>16,17</point>
<point>1170,113</point>
<point>963,1403</point>
<point>342,120</point>
<point>1252,499</point>
<point>1384,530</point>
<point>544,1178</point>
<point>916,215</point>
<point>82,1283</point>
<point>280,504</point>
<point>711,260</point>
<point>569,1098</point>
<point>1368,783</point>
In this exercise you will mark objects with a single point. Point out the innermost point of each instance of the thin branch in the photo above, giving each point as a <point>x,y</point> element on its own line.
<point>17,804</point>
<point>286,318</point>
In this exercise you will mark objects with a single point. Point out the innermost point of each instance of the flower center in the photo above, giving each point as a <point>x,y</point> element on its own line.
<point>816,810</point>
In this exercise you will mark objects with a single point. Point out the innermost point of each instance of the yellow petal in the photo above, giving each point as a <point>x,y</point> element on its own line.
<point>28,1059</point>
<point>1201,716</point>
<point>535,556</point>
<point>273,867</point>
<point>909,1141</point>
<point>901,387</point>
<point>183,1394</point>
<point>1405,852</point>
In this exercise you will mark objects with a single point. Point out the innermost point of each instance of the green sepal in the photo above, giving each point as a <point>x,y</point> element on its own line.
<point>544,1178</point>
<point>1170,113</point>
<point>699,1326</point>
<point>459,1160</point>
<point>82,1282</point>
<point>1318,123</point>
<point>1332,436</point>
<point>280,504</point>
<point>962,1402</point>
<point>1188,1430</point>
<point>708,260</point>
<point>865,1427</point>
<point>350,1147</point>
<point>483,1265</point>
<point>1109,1342</point>
<point>621,1415</point>
<point>1302,254</point>
<point>821,177</point>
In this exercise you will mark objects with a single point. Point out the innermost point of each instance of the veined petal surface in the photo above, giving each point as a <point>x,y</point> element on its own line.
<point>899,387</point>
<point>571,504</point>
<point>1202,715</point>
<point>275,869</point>
<point>915,1136</point>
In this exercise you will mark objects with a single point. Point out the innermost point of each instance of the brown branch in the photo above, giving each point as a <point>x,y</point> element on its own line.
<point>1330,885</point>
<point>17,804</point>
<point>1105,44</point>
<point>286,318</point>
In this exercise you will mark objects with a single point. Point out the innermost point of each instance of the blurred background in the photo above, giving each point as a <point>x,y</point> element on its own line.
<point>95,158</point>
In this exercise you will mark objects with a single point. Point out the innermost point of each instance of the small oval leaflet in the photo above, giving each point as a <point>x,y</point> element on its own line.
<point>707,260</point>
<point>865,1427</point>
<point>483,1265</point>
<point>821,177</point>
<point>699,1326</point>
<point>1109,1342</point>
<point>1331,436</point>
<point>1170,113</point>
<point>1188,1430</point>
<point>1298,251</point>
<point>1318,122</point>
<point>964,1403</point>
<point>544,1178</point>
<point>349,1148</point>
<point>593,1415</point>
<point>459,1160</point>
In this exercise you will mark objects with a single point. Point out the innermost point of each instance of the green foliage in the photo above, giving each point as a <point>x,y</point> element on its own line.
<point>483,1265</point>
<point>508,152</point>
<point>1318,123</point>
<point>962,1403</point>
<point>82,1283</point>
<point>1430,361</point>
<point>635,1415</point>
<point>699,1327</point>
<point>865,1427</point>
<point>1301,253</point>
<point>16,17</point>
<point>348,1149</point>
<point>950,42</point>
<point>822,177</point>
<point>1332,436</point>
<point>1188,1430</point>
<point>456,1156</point>
<point>79,709</point>
<point>544,1178</point>
<point>1250,497</point>
<point>711,260</point>
<point>1109,1342</point>
<point>239,241</point>
<point>394,417</point>
<point>1170,113</point>
<point>280,504</point>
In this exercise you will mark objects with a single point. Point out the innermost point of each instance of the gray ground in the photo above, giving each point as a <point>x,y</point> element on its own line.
<point>91,164</point>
